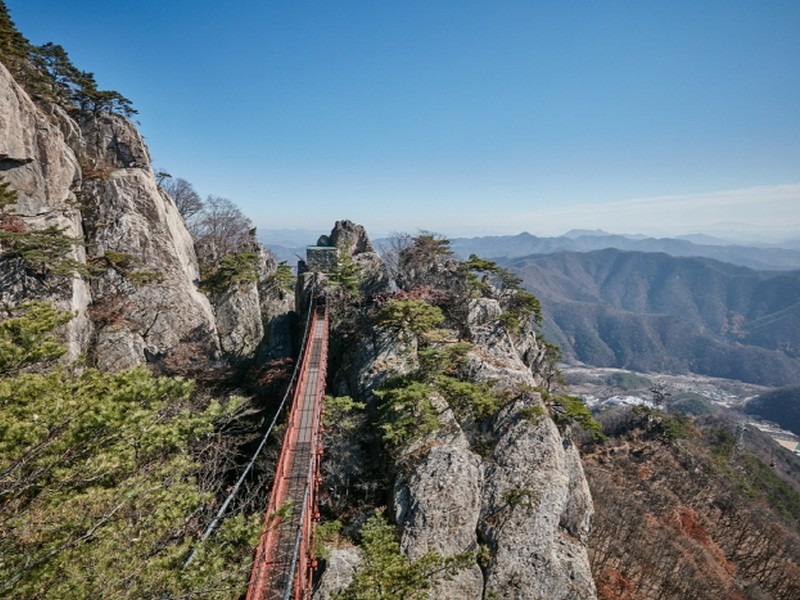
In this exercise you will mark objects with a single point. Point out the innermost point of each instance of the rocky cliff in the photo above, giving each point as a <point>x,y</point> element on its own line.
<point>39,164</point>
<point>505,484</point>
<point>133,277</point>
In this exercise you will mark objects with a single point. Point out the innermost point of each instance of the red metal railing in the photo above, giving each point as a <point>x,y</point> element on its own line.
<point>284,561</point>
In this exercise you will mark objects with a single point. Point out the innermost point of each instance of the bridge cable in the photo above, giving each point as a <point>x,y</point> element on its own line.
<point>213,525</point>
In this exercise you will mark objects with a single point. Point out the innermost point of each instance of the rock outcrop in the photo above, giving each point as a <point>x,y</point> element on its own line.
<point>537,507</point>
<point>159,306</point>
<point>438,504</point>
<point>253,316</point>
<point>135,295</point>
<point>536,513</point>
<point>341,565</point>
<point>351,241</point>
<point>276,306</point>
<point>39,164</point>
<point>511,491</point>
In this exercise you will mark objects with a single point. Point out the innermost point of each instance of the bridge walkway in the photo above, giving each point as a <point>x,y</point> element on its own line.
<point>284,558</point>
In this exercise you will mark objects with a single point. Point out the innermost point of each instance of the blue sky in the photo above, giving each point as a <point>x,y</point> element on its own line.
<point>461,117</point>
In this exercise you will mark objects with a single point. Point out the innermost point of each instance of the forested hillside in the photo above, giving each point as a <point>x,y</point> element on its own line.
<point>781,406</point>
<point>653,312</point>
<point>700,509</point>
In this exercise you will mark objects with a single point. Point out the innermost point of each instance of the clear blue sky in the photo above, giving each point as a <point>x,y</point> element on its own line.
<point>460,116</point>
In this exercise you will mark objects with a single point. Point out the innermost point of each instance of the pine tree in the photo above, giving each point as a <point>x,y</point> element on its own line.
<point>98,479</point>
<point>14,47</point>
<point>8,196</point>
<point>386,574</point>
<point>53,61</point>
<point>25,339</point>
<point>48,75</point>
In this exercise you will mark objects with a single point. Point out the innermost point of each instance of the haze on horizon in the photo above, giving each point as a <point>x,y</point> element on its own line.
<point>465,118</point>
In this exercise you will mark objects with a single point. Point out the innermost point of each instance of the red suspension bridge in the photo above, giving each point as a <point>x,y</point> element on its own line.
<point>284,560</point>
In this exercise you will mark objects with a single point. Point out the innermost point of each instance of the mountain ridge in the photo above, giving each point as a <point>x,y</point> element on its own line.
<point>653,312</point>
<point>524,244</point>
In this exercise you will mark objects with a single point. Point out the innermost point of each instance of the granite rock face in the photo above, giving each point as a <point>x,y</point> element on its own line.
<point>340,567</point>
<point>276,306</point>
<point>39,164</point>
<point>352,240</point>
<point>438,503</point>
<point>536,513</point>
<point>537,508</point>
<point>253,316</point>
<point>526,502</point>
<point>512,493</point>
<point>90,177</point>
<point>149,291</point>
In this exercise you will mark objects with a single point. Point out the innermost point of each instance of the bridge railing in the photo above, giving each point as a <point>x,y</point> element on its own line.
<point>284,559</point>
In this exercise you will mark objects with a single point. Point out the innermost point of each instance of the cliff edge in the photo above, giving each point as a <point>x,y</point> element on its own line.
<point>121,258</point>
<point>456,434</point>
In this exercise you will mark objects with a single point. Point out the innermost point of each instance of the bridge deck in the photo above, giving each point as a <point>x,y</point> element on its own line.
<point>283,560</point>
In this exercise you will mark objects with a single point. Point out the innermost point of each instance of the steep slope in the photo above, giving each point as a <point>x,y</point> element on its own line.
<point>652,312</point>
<point>688,513</point>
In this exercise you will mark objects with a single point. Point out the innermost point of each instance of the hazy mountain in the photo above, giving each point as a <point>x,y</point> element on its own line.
<point>791,244</point>
<point>289,237</point>
<point>654,312</point>
<point>705,240</point>
<point>288,244</point>
<point>289,255</point>
<point>525,244</point>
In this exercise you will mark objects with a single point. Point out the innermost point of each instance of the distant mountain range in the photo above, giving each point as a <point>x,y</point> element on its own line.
<point>289,244</point>
<point>698,245</point>
<point>655,312</point>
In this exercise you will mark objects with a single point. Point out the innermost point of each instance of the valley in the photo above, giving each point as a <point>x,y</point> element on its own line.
<point>604,387</point>
<point>607,382</point>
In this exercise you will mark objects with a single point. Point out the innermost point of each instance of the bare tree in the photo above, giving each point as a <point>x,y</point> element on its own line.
<point>186,199</point>
<point>391,250</point>
<point>220,229</point>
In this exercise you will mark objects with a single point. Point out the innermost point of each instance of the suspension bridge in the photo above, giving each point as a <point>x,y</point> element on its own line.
<point>284,560</point>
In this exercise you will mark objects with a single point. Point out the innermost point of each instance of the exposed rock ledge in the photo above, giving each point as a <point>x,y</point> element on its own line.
<point>92,179</point>
<point>523,505</point>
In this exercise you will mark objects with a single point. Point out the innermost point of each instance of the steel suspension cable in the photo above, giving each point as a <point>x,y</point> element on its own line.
<point>235,490</point>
